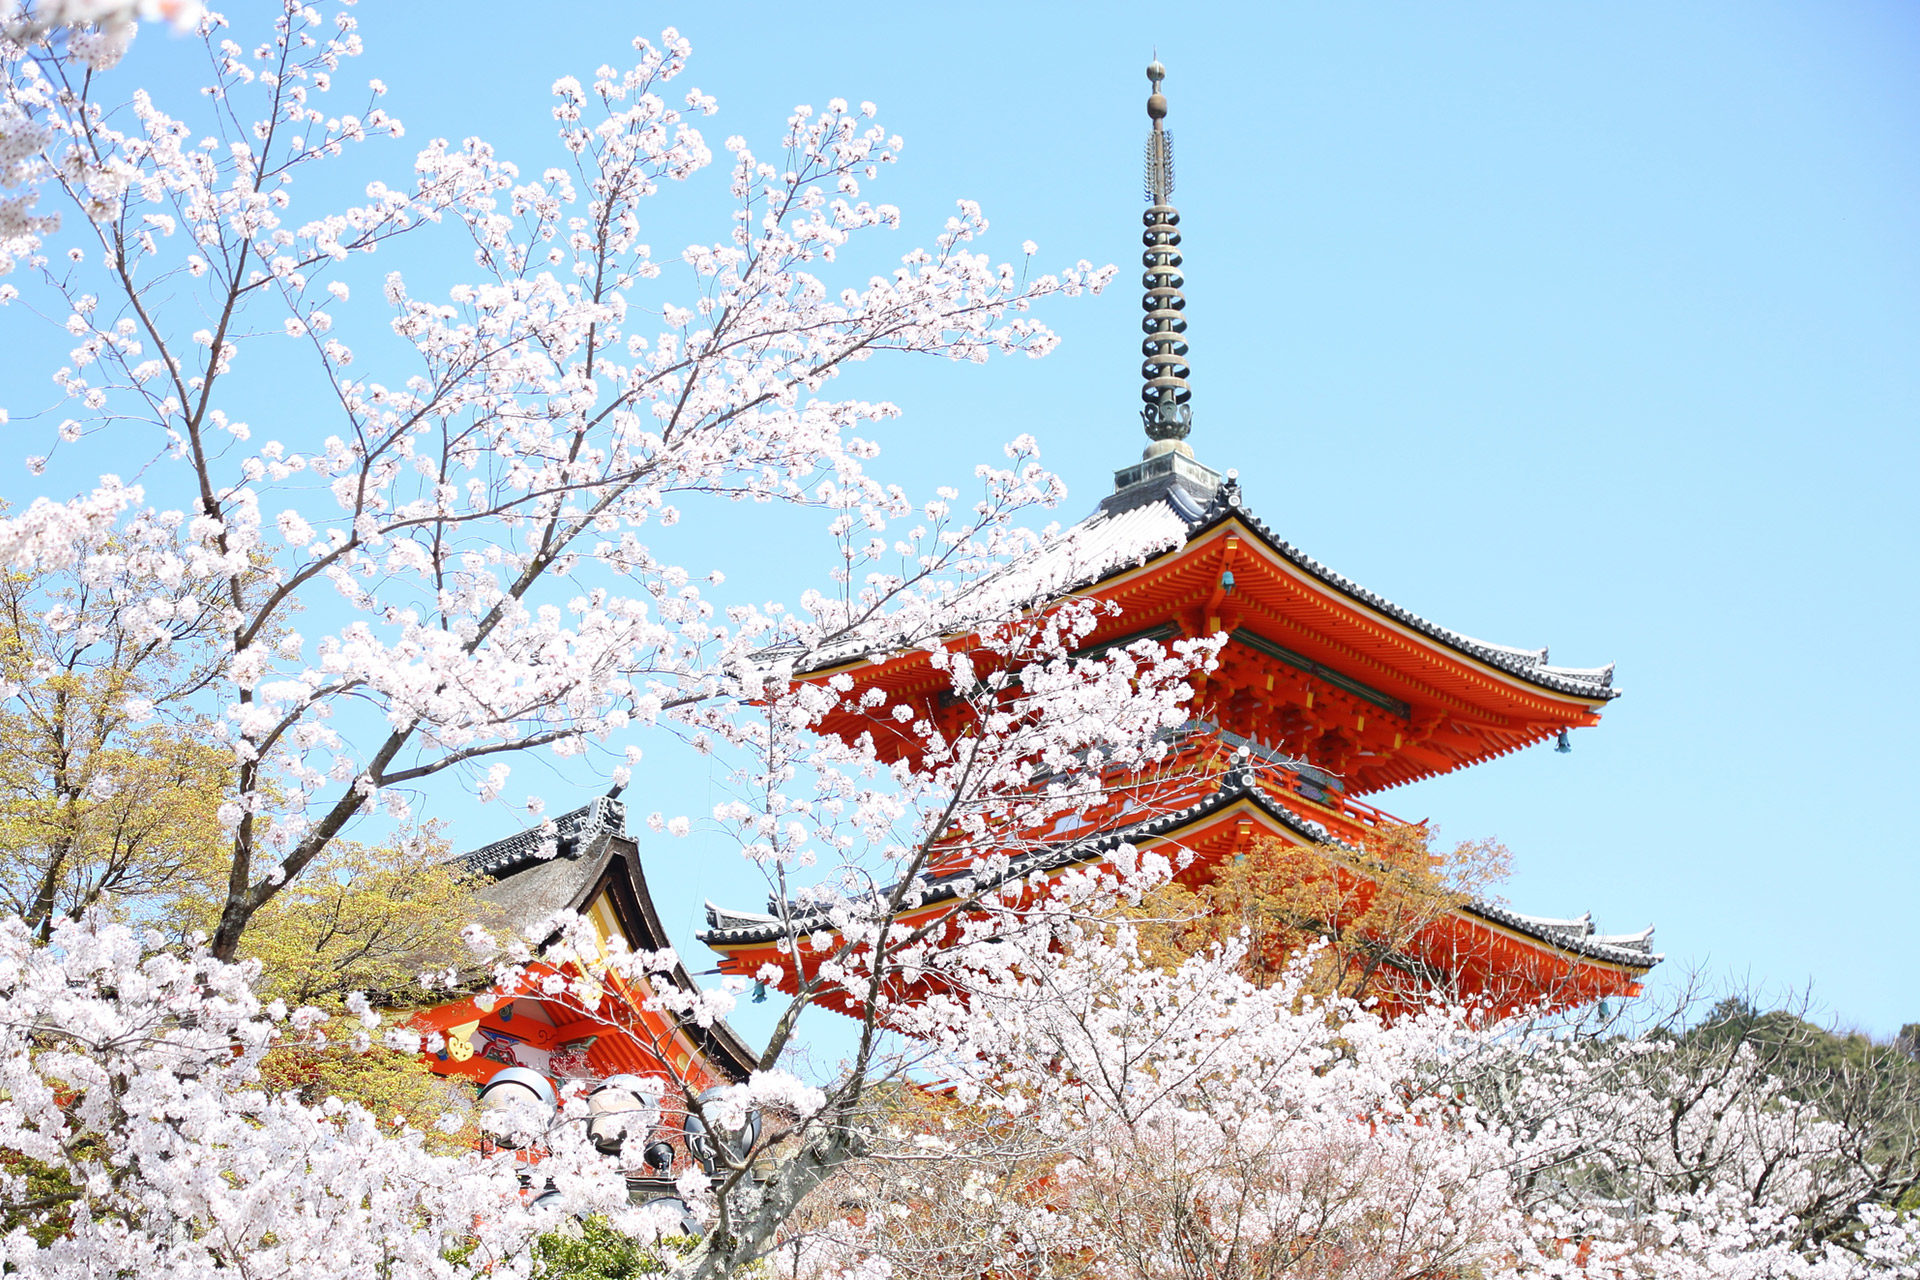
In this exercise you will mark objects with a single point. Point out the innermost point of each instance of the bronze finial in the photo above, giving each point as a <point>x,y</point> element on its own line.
<point>1167,416</point>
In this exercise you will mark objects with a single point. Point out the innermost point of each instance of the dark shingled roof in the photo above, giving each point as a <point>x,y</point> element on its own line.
<point>560,866</point>
<point>604,815</point>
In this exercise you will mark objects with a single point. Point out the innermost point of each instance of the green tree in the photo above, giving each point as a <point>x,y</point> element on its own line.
<point>369,921</point>
<point>104,805</point>
<point>99,806</point>
<point>593,1250</point>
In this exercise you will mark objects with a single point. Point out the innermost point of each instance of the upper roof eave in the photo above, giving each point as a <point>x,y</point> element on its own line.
<point>1527,665</point>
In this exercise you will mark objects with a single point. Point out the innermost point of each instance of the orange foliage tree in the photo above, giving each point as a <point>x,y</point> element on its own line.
<point>1365,907</point>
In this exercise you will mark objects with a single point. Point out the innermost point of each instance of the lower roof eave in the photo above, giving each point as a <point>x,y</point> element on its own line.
<point>757,931</point>
<point>1514,925</point>
<point>747,932</point>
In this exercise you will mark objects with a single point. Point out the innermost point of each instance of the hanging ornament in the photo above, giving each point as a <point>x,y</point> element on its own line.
<point>459,1043</point>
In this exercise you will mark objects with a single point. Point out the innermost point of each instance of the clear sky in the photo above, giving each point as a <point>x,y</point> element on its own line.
<point>1590,326</point>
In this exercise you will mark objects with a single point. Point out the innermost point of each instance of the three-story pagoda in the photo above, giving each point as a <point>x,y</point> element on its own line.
<point>1325,694</point>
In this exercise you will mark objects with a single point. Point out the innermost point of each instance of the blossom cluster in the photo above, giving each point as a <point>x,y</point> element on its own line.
<point>1145,1118</point>
<point>135,1125</point>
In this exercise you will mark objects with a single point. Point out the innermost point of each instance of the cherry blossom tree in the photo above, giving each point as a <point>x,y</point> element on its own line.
<point>465,516</point>
<point>468,537</point>
<point>1677,1149</point>
<point>1097,1114</point>
<point>889,874</point>
<point>1109,1115</point>
<point>31,20</point>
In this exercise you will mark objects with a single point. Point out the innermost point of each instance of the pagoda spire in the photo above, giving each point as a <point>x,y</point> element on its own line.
<point>1168,465</point>
<point>1167,415</point>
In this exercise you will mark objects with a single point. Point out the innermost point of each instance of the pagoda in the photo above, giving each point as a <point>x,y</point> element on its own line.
<point>1325,694</point>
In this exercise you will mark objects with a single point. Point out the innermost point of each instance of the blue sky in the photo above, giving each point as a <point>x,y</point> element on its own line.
<point>1590,326</point>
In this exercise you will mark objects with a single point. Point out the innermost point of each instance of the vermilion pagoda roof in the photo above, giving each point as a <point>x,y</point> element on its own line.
<point>1181,552</point>
<point>1530,665</point>
<point>1177,510</point>
<point>1172,512</point>
<point>1251,786</point>
<point>1177,549</point>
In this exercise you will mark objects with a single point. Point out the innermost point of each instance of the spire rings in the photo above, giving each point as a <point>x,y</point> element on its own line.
<point>1166,415</point>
